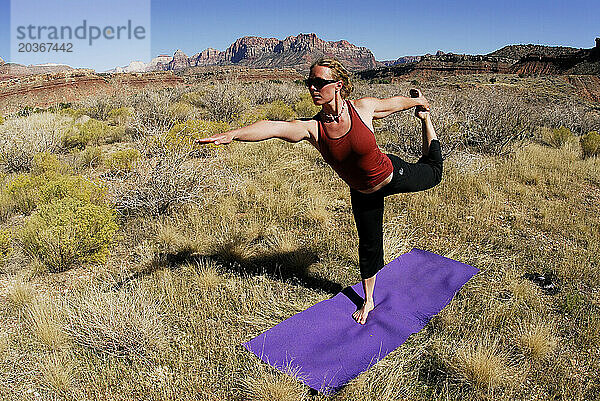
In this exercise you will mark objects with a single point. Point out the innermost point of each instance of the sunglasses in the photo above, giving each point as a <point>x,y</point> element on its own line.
<point>318,83</point>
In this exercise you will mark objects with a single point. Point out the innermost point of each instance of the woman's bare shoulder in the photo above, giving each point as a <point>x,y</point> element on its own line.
<point>312,126</point>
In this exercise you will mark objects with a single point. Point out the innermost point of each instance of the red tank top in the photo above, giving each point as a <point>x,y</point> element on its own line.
<point>355,157</point>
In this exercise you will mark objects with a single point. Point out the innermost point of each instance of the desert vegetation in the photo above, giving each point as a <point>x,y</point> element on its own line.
<point>133,263</point>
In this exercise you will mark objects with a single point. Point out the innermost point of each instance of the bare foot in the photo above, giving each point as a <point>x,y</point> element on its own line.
<point>361,314</point>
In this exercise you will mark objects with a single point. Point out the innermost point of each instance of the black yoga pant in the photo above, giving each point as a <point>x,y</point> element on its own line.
<point>368,208</point>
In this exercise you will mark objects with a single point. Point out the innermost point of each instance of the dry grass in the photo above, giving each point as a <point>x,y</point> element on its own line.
<point>537,339</point>
<point>217,247</point>
<point>20,294</point>
<point>45,322</point>
<point>483,364</point>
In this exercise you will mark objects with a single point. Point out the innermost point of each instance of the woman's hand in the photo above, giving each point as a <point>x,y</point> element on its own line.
<point>421,115</point>
<point>218,139</point>
<point>424,103</point>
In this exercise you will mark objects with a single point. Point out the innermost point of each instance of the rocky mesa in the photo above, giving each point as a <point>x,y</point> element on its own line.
<point>297,52</point>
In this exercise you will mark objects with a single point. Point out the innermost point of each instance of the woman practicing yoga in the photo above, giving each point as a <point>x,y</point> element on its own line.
<point>343,133</point>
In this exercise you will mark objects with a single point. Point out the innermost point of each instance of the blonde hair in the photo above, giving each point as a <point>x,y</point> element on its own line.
<point>338,71</point>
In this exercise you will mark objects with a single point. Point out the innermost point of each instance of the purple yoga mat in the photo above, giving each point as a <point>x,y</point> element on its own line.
<point>325,348</point>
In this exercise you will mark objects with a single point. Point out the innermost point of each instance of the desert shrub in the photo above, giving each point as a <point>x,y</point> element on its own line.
<point>46,162</point>
<point>99,107</point>
<point>155,186</point>
<point>18,195</point>
<point>1,120</point>
<point>569,113</point>
<point>560,136</point>
<point>223,102</point>
<point>259,93</point>
<point>120,116</point>
<point>305,107</point>
<point>279,111</point>
<point>122,160</point>
<point>24,192</point>
<point>74,113</point>
<point>69,231</point>
<point>182,135</point>
<point>182,111</point>
<point>91,132</point>
<point>59,186</point>
<point>91,156</point>
<point>22,138</point>
<point>151,116</point>
<point>590,144</point>
<point>5,245</point>
<point>194,98</point>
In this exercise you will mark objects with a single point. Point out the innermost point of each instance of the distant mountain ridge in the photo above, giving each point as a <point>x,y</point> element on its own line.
<point>515,52</point>
<point>296,52</point>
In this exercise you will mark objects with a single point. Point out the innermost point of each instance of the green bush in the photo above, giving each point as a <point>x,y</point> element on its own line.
<point>46,162</point>
<point>305,107</point>
<point>74,113</point>
<point>120,116</point>
<point>590,144</point>
<point>1,120</point>
<point>5,245</point>
<point>182,135</point>
<point>56,187</point>
<point>182,111</point>
<point>279,111</point>
<point>91,132</point>
<point>24,192</point>
<point>69,231</point>
<point>122,160</point>
<point>560,136</point>
<point>19,195</point>
<point>91,156</point>
<point>193,98</point>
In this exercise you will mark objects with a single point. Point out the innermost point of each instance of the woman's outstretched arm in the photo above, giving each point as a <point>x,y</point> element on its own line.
<point>380,108</point>
<point>290,131</point>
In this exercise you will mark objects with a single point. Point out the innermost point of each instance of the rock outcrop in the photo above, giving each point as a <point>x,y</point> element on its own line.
<point>514,59</point>
<point>1,61</point>
<point>11,70</point>
<point>296,52</point>
<point>442,64</point>
<point>573,61</point>
<point>179,61</point>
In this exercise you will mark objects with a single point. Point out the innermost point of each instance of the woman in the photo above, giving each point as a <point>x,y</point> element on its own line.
<point>343,133</point>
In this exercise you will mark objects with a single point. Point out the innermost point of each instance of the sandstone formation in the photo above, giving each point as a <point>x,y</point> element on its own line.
<point>296,52</point>
<point>10,70</point>
<point>179,61</point>
<point>515,52</point>
<point>576,61</point>
<point>1,61</point>
<point>44,90</point>
<point>515,59</point>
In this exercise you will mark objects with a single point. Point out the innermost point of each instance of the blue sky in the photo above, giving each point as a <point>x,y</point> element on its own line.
<point>389,28</point>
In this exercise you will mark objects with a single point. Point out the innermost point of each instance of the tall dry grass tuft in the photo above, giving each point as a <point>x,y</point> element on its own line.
<point>58,375</point>
<point>268,385</point>
<point>20,294</point>
<point>484,364</point>
<point>46,323</point>
<point>120,324</point>
<point>537,339</point>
